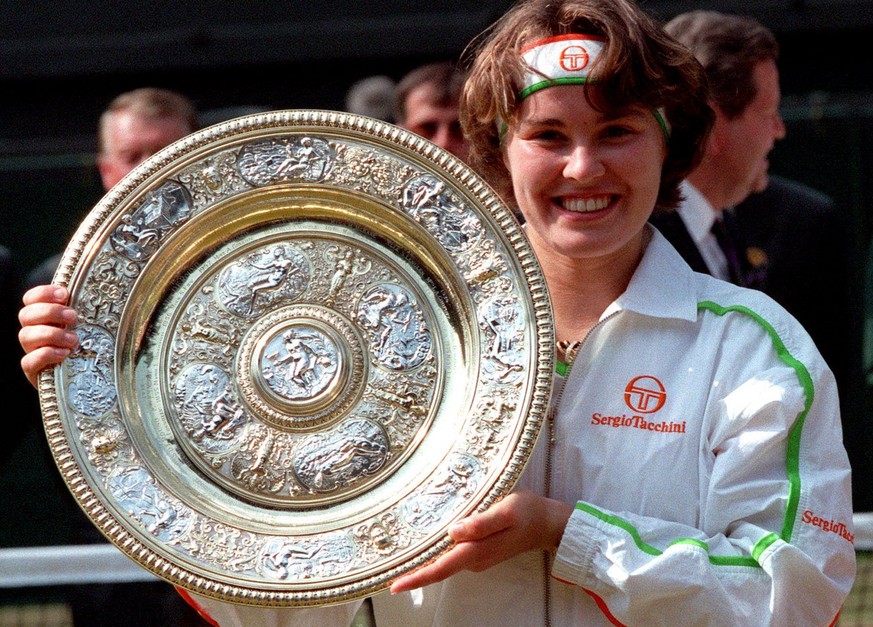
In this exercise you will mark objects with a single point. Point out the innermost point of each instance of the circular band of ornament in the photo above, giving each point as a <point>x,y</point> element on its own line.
<point>309,343</point>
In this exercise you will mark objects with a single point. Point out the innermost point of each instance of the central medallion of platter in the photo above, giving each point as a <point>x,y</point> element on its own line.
<point>301,367</point>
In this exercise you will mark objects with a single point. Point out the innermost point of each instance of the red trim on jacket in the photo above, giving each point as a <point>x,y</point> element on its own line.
<point>190,601</point>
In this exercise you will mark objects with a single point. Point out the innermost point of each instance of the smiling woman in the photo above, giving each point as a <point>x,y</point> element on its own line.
<point>586,116</point>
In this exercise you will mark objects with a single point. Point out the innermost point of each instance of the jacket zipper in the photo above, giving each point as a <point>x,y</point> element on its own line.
<point>576,347</point>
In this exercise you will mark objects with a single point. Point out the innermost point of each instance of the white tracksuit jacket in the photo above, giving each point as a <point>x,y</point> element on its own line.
<point>698,432</point>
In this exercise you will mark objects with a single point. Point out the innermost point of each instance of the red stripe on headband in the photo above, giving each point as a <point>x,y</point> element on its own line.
<point>566,37</point>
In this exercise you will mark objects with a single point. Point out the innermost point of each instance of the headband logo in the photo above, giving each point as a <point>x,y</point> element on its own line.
<point>574,58</point>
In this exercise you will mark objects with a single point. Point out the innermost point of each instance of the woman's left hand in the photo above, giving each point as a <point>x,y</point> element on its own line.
<point>521,522</point>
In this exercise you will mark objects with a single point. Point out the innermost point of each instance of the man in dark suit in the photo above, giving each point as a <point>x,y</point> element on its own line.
<point>739,55</point>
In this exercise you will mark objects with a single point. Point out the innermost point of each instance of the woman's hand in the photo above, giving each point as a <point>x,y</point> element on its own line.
<point>43,335</point>
<point>521,522</point>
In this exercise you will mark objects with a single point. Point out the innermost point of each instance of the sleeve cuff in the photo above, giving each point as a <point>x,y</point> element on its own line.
<point>574,559</point>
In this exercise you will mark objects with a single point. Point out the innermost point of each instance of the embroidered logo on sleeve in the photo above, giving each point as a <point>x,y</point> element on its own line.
<point>828,525</point>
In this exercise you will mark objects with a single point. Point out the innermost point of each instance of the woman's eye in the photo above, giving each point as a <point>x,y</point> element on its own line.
<point>547,135</point>
<point>618,131</point>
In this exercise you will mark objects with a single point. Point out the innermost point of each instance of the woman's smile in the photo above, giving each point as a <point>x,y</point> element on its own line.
<point>589,204</point>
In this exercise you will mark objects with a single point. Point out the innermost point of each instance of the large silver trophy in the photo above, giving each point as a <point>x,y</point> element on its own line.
<point>309,342</point>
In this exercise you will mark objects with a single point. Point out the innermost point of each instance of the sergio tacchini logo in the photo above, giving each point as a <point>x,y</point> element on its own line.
<point>645,394</point>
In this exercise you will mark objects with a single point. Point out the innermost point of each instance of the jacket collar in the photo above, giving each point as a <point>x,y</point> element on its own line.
<point>663,285</point>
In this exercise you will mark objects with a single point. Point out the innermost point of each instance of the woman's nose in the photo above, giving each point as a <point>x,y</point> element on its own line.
<point>583,163</point>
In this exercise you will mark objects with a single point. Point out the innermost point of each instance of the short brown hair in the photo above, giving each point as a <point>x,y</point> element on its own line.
<point>445,76</point>
<point>729,47</point>
<point>149,102</point>
<point>640,65</point>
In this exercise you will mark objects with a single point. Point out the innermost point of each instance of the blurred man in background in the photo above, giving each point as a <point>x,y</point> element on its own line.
<point>427,102</point>
<point>134,126</point>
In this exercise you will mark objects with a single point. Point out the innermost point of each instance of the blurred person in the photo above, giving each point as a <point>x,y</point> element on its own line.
<point>691,469</point>
<point>739,56</point>
<point>134,126</point>
<point>372,96</point>
<point>426,102</point>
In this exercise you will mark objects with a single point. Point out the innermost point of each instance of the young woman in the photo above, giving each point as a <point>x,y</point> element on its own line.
<point>691,471</point>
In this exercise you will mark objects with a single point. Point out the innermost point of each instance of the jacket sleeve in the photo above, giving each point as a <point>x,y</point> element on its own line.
<point>774,543</point>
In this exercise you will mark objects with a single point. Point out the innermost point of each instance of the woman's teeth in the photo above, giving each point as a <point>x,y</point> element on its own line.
<point>585,204</point>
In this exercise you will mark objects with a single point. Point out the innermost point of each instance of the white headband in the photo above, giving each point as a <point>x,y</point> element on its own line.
<point>560,60</point>
<point>566,60</point>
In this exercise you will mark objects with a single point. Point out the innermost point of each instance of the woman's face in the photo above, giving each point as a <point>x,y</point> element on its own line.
<point>586,181</point>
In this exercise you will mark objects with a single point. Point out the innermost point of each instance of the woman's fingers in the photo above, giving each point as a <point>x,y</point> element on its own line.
<point>43,334</point>
<point>46,294</point>
<point>40,359</point>
<point>37,336</point>
<point>38,313</point>
<point>447,565</point>
<point>523,521</point>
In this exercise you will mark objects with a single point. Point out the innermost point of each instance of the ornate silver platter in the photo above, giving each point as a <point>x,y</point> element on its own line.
<point>309,342</point>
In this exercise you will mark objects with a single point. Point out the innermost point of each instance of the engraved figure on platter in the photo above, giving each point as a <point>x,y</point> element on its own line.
<point>302,361</point>
<point>346,264</point>
<point>212,179</point>
<point>423,191</point>
<point>103,293</point>
<point>271,274</point>
<point>326,462</point>
<point>489,431</point>
<point>307,159</point>
<point>454,483</point>
<point>382,536</point>
<point>395,326</point>
<point>136,491</point>
<point>140,233</point>
<point>427,199</point>
<point>255,283</point>
<point>305,559</point>
<point>260,463</point>
<point>207,412</point>
<point>91,390</point>
<point>299,363</point>
<point>503,328</point>
<point>204,332</point>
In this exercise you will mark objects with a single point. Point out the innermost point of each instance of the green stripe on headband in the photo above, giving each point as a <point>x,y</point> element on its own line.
<point>566,80</point>
<point>662,123</point>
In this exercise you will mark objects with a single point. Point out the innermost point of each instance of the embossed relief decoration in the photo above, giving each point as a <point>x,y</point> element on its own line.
<point>309,342</point>
<point>325,398</point>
